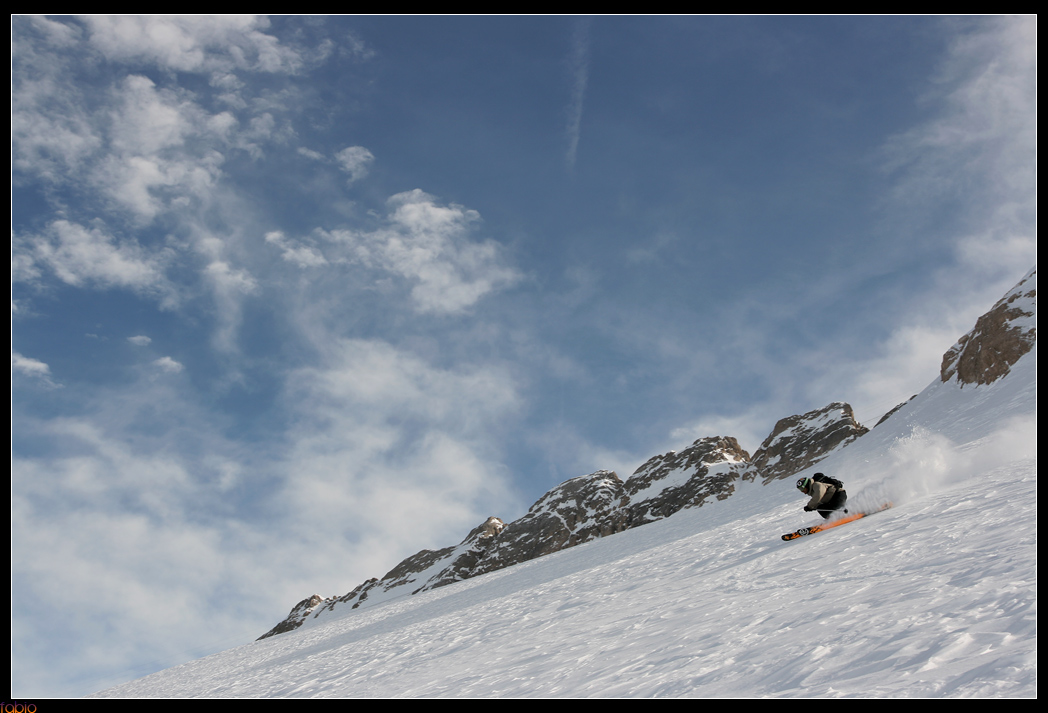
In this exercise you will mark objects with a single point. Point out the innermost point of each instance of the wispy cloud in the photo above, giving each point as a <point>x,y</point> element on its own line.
<point>430,245</point>
<point>975,152</point>
<point>355,160</point>
<point>206,43</point>
<point>168,365</point>
<point>984,131</point>
<point>295,251</point>
<point>80,256</point>
<point>129,506</point>
<point>388,454</point>
<point>578,69</point>
<point>229,286</point>
<point>388,435</point>
<point>31,368</point>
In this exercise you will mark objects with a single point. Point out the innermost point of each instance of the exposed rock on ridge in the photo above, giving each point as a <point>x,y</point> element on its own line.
<point>298,614</point>
<point>999,338</point>
<point>577,511</point>
<point>798,442</point>
<point>888,415</point>
<point>567,515</point>
<point>427,569</point>
<point>665,484</point>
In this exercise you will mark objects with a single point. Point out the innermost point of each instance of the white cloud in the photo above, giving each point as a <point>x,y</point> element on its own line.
<point>355,160</point>
<point>122,538</point>
<point>740,427</point>
<point>1003,250</point>
<point>310,154</point>
<point>140,340</point>
<point>149,120</point>
<point>51,132</point>
<point>148,148</point>
<point>429,245</point>
<point>295,252</point>
<point>979,145</point>
<point>150,163</point>
<point>133,143</point>
<point>229,280</point>
<point>383,437</point>
<point>168,365</point>
<point>192,43</point>
<point>32,368</point>
<point>229,286</point>
<point>58,34</point>
<point>81,256</point>
<point>24,266</point>
<point>892,371</point>
<point>118,527</point>
<point>356,47</point>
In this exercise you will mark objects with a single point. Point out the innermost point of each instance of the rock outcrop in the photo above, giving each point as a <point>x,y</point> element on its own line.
<point>704,471</point>
<point>798,442</point>
<point>568,515</point>
<point>298,614</point>
<point>888,415</point>
<point>999,338</point>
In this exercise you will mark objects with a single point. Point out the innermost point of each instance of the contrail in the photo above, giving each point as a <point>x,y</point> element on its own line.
<point>579,69</point>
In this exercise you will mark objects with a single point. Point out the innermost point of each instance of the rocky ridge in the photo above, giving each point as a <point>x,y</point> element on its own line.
<point>999,338</point>
<point>798,442</point>
<point>601,503</point>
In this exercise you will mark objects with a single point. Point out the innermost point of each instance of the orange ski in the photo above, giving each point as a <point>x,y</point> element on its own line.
<point>819,528</point>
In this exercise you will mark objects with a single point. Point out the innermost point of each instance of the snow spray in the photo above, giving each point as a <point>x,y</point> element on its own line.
<point>925,462</point>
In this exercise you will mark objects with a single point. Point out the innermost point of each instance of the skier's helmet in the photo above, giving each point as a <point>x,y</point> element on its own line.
<point>803,484</point>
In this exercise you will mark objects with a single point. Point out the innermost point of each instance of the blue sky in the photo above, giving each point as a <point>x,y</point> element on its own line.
<point>296,297</point>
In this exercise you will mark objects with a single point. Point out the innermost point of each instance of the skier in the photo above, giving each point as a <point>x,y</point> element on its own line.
<point>827,494</point>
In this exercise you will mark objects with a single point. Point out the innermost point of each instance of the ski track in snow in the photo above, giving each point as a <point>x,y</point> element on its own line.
<point>936,597</point>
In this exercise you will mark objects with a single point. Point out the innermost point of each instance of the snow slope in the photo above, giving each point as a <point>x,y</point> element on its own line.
<point>936,597</point>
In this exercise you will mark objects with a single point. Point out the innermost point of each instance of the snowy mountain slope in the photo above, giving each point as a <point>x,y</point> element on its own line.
<point>907,603</point>
<point>936,597</point>
<point>601,504</point>
<point>597,505</point>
